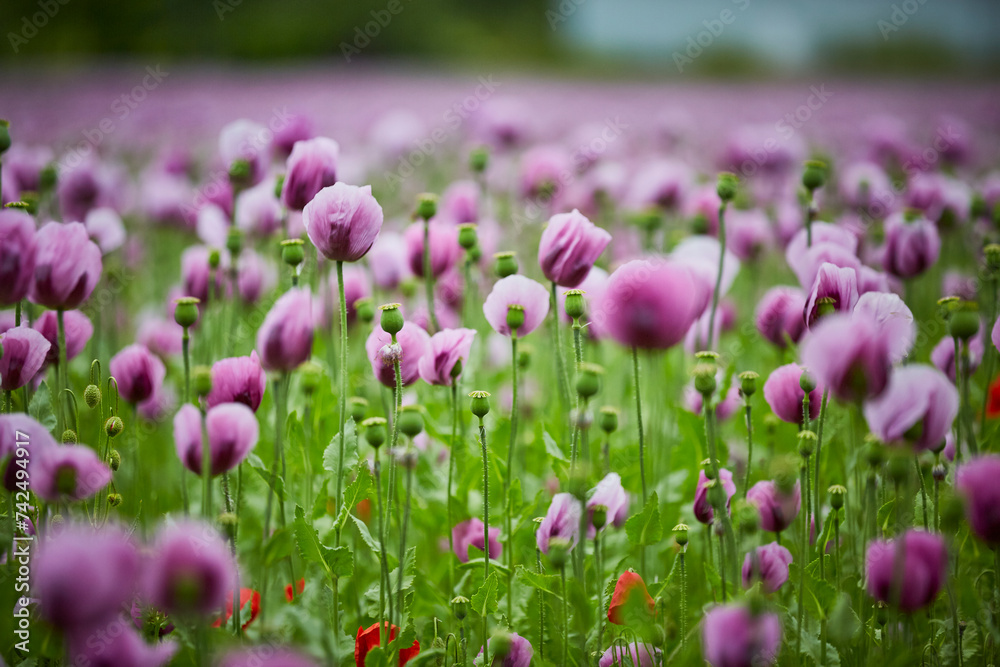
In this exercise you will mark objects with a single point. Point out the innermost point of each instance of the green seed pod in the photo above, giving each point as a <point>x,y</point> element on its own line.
<point>747,517</point>
<point>706,465</point>
<point>992,255</point>
<point>411,420</point>
<point>292,252</point>
<point>201,377</point>
<point>826,305</point>
<point>279,185</point>
<point>475,253</point>
<point>748,383</point>
<point>704,379</point>
<point>234,241</point>
<point>48,177</point>
<point>365,308</point>
<point>785,472</point>
<point>814,175</point>
<point>214,258</point>
<point>113,426</point>
<point>480,403</point>
<point>524,356</point>
<point>461,607</point>
<point>114,460</point>
<point>426,205</point>
<point>599,517</point>
<point>588,380</point>
<point>311,375</point>
<point>681,534</point>
<point>559,552</point>
<point>479,159</point>
<point>114,499</point>
<point>375,431</point>
<point>609,419</point>
<point>468,237</point>
<point>92,396</point>
<point>807,443</point>
<point>726,186</point>
<point>506,264</point>
<point>576,306</point>
<point>69,437</point>
<point>837,494</point>
<point>964,323</point>
<point>239,173</point>
<point>358,408</point>
<point>515,316</point>
<point>391,318</point>
<point>186,311</point>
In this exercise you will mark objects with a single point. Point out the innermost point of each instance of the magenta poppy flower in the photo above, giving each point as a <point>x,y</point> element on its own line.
<point>917,408</point>
<point>388,261</point>
<point>78,327</point>
<point>732,636</point>
<point>610,494</point>
<point>17,254</point>
<point>769,564</point>
<point>911,246</point>
<point>802,258</point>
<point>232,434</point>
<point>562,521</point>
<point>569,247</point>
<point>544,170</point>
<point>357,285</point>
<point>81,576</point>
<point>925,565</point>
<point>748,233</point>
<point>519,654</point>
<point>212,226</point>
<point>247,141</point>
<point>779,315</point>
<point>662,184</point>
<point>255,276</point>
<point>832,282</point>
<point>67,266</point>
<point>138,372</point>
<point>164,338</point>
<point>470,533</point>
<point>700,254</point>
<point>158,406</point>
<point>21,439</point>
<point>943,354</point>
<point>190,570</point>
<point>893,318</point>
<point>976,481</point>
<point>641,655</point>
<point>849,355</point>
<point>447,348</point>
<point>343,221</point>
<point>460,202</point>
<point>444,247</point>
<point>784,394</point>
<point>311,167</point>
<point>777,508</point>
<point>294,127</point>
<point>863,184</point>
<point>413,343</point>
<point>649,303</point>
<point>196,273</point>
<point>995,334</point>
<point>258,211</point>
<point>84,186</point>
<point>516,290</point>
<point>67,473</point>
<point>286,335</point>
<point>266,656</point>
<point>123,647</point>
<point>105,227</point>
<point>238,380</point>
<point>703,510</point>
<point>24,352</point>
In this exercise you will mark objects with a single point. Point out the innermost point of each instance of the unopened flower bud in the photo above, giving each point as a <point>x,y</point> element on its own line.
<point>92,396</point>
<point>114,499</point>
<point>186,311</point>
<point>609,419</point>
<point>214,258</point>
<point>234,241</point>
<point>939,472</point>
<point>391,318</point>
<point>814,175</point>
<point>375,431</point>
<point>69,436</point>
<point>467,235</point>
<point>575,304</point>
<point>748,383</point>
<point>426,205</point>
<point>411,420</point>
<point>479,159</point>
<point>114,460</point>
<point>480,403</point>
<point>239,173</point>
<point>588,380</point>
<point>201,378</point>
<point>726,186</point>
<point>807,382</point>
<point>279,185</point>
<point>292,252</point>
<point>506,264</point>
<point>515,316</point>
<point>113,426</point>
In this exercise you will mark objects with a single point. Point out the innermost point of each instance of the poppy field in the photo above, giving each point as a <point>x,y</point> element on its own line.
<point>499,386</point>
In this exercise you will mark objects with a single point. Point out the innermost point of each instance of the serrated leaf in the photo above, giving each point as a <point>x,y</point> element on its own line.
<point>265,474</point>
<point>355,493</point>
<point>514,497</point>
<point>377,657</point>
<point>546,583</point>
<point>646,528</point>
<point>40,407</point>
<point>484,602</point>
<point>820,595</point>
<point>843,624</point>
<point>885,515</point>
<point>552,448</point>
<point>331,455</point>
<point>279,546</point>
<point>813,647</point>
<point>308,542</point>
<point>340,560</point>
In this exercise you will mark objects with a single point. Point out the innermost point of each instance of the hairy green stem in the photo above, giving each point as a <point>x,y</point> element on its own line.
<point>429,278</point>
<point>718,276</point>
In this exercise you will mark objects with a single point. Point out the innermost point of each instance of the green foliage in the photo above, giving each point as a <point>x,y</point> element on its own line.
<point>644,529</point>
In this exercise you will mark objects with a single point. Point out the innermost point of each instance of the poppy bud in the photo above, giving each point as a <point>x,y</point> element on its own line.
<point>515,316</point>
<point>837,494</point>
<point>114,460</point>
<point>48,177</point>
<point>506,264</point>
<point>214,258</point>
<point>599,516</point>
<point>939,472</point>
<point>375,431</point>
<point>92,395</point>
<point>292,252</point>
<point>426,205</point>
<point>747,517</point>
<point>186,311</point>
<point>898,467</point>
<point>588,381</point>
<point>279,185</point>
<point>239,173</point>
<point>726,186</point>
<point>358,407</point>
<point>609,419</point>
<point>575,305</point>
<point>748,383</point>
<point>411,420</point>
<point>814,175</point>
<point>807,382</point>
<point>114,499</point>
<point>681,534</point>
<point>704,379</point>
<point>234,241</point>
<point>559,552</point>
<point>480,403</point>
<point>114,426</point>
<point>202,380</point>
<point>467,236</point>
<point>964,323</point>
<point>461,605</point>
<point>69,436</point>
<point>479,159</point>
<point>807,443</point>
<point>311,375</point>
<point>391,318</point>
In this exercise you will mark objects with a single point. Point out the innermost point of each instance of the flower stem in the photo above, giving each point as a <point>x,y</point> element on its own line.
<point>206,472</point>
<point>718,276</point>
<point>684,603</point>
<point>600,588</point>
<point>343,387</point>
<point>565,619</point>
<point>61,373</point>
<point>746,481</point>
<point>802,565</point>
<point>384,577</point>
<point>451,476</point>
<point>817,511</point>
<point>638,416</point>
<point>508,523</point>
<point>402,543</point>
<point>557,341</point>
<point>486,506</point>
<point>541,610</point>
<point>429,278</point>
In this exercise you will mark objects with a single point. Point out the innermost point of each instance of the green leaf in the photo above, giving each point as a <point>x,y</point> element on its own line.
<point>812,647</point>
<point>377,657</point>
<point>279,546</point>
<point>646,528</point>
<point>331,455</point>
<point>844,624</point>
<point>265,474</point>
<point>885,514</point>
<point>355,493</point>
<point>552,448</point>
<point>820,596</point>
<point>514,498</point>
<point>308,541</point>
<point>545,583</point>
<point>340,560</point>
<point>40,407</point>
<point>366,535</point>
<point>484,602</point>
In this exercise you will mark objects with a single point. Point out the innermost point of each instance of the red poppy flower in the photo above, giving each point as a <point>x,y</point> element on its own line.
<point>368,639</point>
<point>993,400</point>
<point>246,595</point>
<point>626,608</point>
<point>299,587</point>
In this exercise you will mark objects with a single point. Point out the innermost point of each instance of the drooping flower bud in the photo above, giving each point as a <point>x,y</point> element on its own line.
<point>114,460</point>
<point>92,395</point>
<point>113,426</point>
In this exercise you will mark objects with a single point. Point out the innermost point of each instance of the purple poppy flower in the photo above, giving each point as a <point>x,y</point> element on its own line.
<point>238,380</point>
<point>783,393</point>
<point>649,303</point>
<point>119,646</point>
<point>520,652</point>
<point>703,510</point>
<point>413,343</point>
<point>779,316</point>
<point>159,405</point>
<point>82,576</point>
<point>848,355</point>
<point>78,327</point>
<point>83,186</point>
<point>943,354</point>
<point>311,167</point>
<point>21,440</point>
<point>388,261</point>
<point>343,221</point>
<point>271,657</point>
<point>641,655</point>
<point>17,254</point>
<point>610,494</point>
<point>138,372</point>
<point>255,276</point>
<point>807,267</point>
<point>569,247</point>
<point>294,127</point>
<point>67,473</point>
<point>444,247</point>
<point>700,255</point>
<point>190,570</point>
<point>732,636</point>
<point>447,348</point>
<point>893,318</point>
<point>925,564</point>
<point>196,273</point>
<point>911,247</point>
<point>67,266</point>
<point>24,352</point>
<point>769,564</point>
<point>286,335</point>
<point>662,184</point>
<point>864,184</point>
<point>245,140</point>
<point>470,533</point>
<point>105,228</point>
<point>212,226</point>
<point>777,508</point>
<point>460,202</point>
<point>995,334</point>
<point>232,434</point>
<point>545,170</point>
<point>918,408</point>
<point>516,290</point>
<point>164,338</point>
<point>976,481</point>
<point>258,211</point>
<point>832,282</point>
<point>748,233</point>
<point>562,521</point>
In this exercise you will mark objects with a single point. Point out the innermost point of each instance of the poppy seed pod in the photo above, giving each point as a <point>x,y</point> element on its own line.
<point>704,379</point>
<point>391,319</point>
<point>292,252</point>
<point>358,406</point>
<point>748,383</point>
<point>964,322</point>
<point>479,159</point>
<point>515,316</point>
<point>411,420</point>
<point>588,380</point>
<point>480,403</point>
<point>467,236</point>
<point>427,204</point>
<point>681,534</point>
<point>814,175</point>
<point>609,419</point>
<point>375,431</point>
<point>506,264</point>
<point>726,186</point>
<point>575,304</point>
<point>837,494</point>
